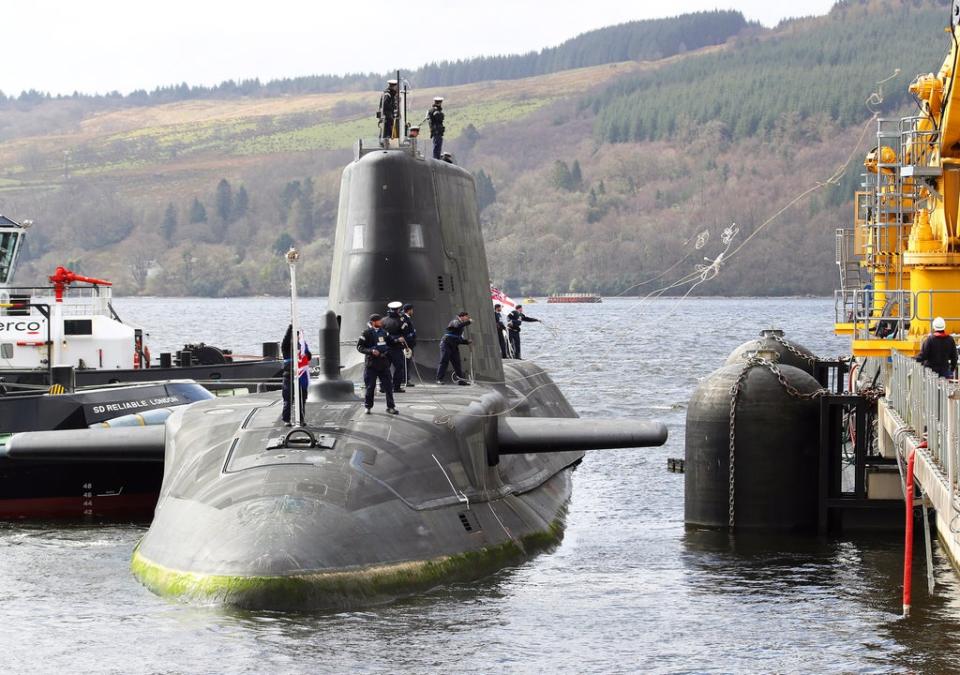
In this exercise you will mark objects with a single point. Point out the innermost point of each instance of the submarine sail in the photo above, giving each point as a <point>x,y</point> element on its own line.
<point>408,229</point>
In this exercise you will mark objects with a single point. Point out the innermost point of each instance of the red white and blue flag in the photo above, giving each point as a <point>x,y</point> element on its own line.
<point>499,297</point>
<point>303,361</point>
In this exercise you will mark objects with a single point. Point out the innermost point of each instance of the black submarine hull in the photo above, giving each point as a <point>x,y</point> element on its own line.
<point>60,487</point>
<point>395,506</point>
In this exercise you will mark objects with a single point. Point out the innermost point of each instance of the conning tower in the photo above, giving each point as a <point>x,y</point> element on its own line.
<point>408,229</point>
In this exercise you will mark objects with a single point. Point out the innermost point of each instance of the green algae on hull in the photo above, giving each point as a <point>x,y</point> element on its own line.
<point>342,589</point>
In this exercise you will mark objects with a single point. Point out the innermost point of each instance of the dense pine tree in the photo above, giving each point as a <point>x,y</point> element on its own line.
<point>198,213</point>
<point>224,201</point>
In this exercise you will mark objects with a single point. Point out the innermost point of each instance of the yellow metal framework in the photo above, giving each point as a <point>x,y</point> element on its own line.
<point>900,262</point>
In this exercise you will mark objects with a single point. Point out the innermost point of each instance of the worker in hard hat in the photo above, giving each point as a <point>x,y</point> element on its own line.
<point>939,351</point>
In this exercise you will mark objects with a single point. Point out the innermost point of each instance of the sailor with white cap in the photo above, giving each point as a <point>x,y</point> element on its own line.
<point>435,117</point>
<point>393,324</point>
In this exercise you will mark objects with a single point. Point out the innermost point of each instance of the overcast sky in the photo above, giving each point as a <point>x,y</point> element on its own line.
<point>102,45</point>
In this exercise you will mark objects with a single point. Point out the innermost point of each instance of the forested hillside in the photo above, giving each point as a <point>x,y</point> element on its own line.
<point>648,40</point>
<point>614,177</point>
<point>812,70</point>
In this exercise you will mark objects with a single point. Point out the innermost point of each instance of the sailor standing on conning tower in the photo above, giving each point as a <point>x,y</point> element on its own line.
<point>435,117</point>
<point>389,111</point>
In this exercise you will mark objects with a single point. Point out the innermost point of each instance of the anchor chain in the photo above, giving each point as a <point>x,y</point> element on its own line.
<point>750,363</point>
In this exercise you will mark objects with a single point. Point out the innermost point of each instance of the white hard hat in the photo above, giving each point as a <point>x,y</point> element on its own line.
<point>396,304</point>
<point>392,82</point>
<point>939,324</point>
<point>438,99</point>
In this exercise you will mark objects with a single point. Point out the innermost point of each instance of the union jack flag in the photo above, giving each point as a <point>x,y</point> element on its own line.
<point>303,361</point>
<point>498,296</point>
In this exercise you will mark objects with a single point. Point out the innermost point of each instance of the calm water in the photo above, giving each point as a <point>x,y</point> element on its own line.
<point>627,591</point>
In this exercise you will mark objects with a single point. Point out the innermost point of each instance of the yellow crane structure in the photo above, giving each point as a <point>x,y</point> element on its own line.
<point>900,263</point>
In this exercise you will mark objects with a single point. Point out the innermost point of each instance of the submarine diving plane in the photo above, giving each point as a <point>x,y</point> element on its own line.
<point>345,509</point>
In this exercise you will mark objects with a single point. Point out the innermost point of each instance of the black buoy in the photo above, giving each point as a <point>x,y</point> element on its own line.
<point>775,454</point>
<point>772,339</point>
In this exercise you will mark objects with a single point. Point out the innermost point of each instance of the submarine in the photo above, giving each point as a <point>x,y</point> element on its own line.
<point>345,509</point>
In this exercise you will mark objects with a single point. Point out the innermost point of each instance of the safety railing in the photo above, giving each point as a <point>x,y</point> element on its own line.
<point>919,147</point>
<point>900,309</point>
<point>923,401</point>
<point>870,320</point>
<point>414,146</point>
<point>77,300</point>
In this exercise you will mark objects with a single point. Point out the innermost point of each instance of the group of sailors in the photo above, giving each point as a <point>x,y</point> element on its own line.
<point>388,343</point>
<point>389,116</point>
<point>510,348</point>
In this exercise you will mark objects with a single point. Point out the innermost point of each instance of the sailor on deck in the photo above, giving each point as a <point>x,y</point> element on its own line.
<point>501,328</point>
<point>514,320</point>
<point>395,324</point>
<point>410,335</point>
<point>375,344</point>
<point>450,349</point>
<point>939,351</point>
<point>303,379</point>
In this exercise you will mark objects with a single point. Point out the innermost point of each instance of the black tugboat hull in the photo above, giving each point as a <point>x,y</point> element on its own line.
<point>58,488</point>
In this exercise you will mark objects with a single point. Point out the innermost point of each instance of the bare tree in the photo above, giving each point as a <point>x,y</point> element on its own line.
<point>140,270</point>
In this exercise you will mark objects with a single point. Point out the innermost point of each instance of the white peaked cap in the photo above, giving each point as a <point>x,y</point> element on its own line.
<point>396,304</point>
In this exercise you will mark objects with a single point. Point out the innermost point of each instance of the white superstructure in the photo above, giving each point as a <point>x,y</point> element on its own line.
<point>60,324</point>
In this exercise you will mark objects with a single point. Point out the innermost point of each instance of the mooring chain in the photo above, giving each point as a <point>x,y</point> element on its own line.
<point>793,350</point>
<point>731,480</point>
<point>752,362</point>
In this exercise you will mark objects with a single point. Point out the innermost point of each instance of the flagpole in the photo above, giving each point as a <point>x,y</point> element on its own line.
<point>292,257</point>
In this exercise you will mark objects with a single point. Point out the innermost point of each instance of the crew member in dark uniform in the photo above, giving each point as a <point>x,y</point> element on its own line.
<point>939,351</point>
<point>450,349</point>
<point>410,335</point>
<point>514,321</point>
<point>435,117</point>
<point>389,108</point>
<point>375,343</point>
<point>286,348</point>
<point>501,327</point>
<point>394,324</point>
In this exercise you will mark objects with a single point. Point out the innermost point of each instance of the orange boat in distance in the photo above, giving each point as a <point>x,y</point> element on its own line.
<point>574,297</point>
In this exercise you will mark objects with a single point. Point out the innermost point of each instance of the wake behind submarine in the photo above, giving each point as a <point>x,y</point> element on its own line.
<point>349,509</point>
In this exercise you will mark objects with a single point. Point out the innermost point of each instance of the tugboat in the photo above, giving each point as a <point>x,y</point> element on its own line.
<point>72,323</point>
<point>73,371</point>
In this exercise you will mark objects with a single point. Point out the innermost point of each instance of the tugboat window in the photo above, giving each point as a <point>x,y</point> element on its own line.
<point>8,247</point>
<point>416,236</point>
<point>357,237</point>
<point>6,350</point>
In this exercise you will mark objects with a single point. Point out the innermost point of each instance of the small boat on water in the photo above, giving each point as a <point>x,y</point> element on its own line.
<point>573,297</point>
